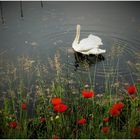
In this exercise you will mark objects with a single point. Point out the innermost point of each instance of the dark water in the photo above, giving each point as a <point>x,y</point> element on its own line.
<point>40,31</point>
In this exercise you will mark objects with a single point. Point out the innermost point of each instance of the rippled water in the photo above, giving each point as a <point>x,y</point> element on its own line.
<point>44,31</point>
<point>117,65</point>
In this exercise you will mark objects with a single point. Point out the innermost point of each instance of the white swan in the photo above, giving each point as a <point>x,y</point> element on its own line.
<point>88,45</point>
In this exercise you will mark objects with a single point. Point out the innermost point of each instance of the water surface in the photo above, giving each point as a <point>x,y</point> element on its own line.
<point>44,31</point>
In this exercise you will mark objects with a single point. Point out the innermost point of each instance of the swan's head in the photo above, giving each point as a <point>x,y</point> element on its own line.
<point>78,27</point>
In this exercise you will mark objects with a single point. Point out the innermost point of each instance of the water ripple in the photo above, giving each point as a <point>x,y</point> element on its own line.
<point>120,50</point>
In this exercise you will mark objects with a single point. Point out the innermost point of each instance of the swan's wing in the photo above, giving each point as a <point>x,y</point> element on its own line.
<point>95,38</point>
<point>89,43</point>
<point>96,51</point>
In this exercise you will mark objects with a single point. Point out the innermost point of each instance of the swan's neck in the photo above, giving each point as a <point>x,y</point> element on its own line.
<point>77,37</point>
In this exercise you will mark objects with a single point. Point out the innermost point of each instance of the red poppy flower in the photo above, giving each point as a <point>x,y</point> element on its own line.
<point>60,107</point>
<point>42,120</point>
<point>13,124</point>
<point>88,94</point>
<point>118,106</point>
<point>23,105</point>
<point>56,101</point>
<point>82,121</point>
<point>114,112</point>
<point>131,90</point>
<point>55,137</point>
<point>105,129</point>
<point>106,119</point>
<point>136,131</point>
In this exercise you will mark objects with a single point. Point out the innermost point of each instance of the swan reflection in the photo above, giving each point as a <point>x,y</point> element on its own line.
<point>81,59</point>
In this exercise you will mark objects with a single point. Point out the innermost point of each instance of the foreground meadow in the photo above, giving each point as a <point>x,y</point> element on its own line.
<point>34,107</point>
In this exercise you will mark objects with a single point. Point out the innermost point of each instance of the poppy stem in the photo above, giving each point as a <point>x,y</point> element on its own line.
<point>131,76</point>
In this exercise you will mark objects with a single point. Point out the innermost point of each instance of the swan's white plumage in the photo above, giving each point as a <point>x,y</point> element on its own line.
<point>88,45</point>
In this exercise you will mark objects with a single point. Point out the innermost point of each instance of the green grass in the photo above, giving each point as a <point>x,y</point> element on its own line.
<point>27,85</point>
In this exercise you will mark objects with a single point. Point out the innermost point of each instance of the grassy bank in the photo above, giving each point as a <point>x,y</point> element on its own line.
<point>37,108</point>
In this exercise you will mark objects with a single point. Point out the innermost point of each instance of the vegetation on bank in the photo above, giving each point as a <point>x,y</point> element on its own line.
<point>35,108</point>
